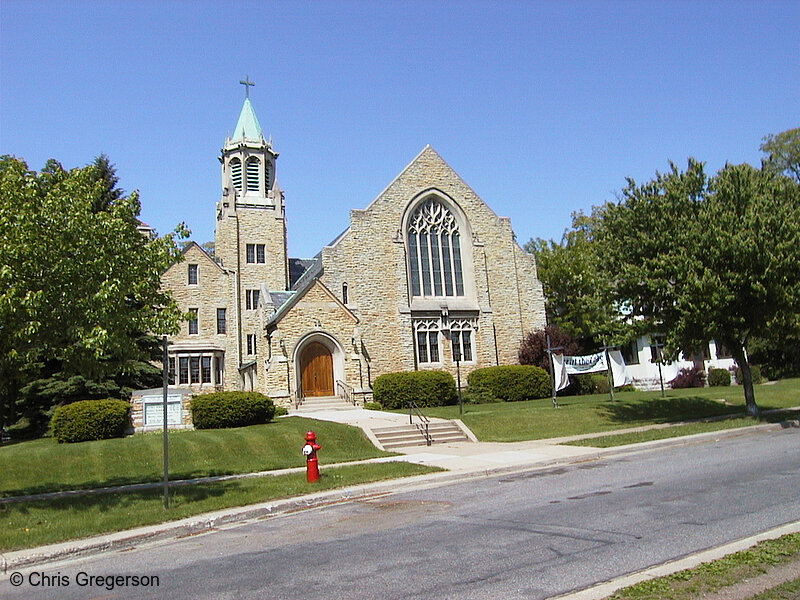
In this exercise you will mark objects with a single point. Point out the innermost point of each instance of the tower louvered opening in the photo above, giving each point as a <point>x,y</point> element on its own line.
<point>253,165</point>
<point>236,173</point>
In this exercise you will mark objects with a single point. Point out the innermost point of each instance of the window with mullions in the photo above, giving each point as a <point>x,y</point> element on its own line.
<point>251,299</point>
<point>194,329</point>
<point>192,274</point>
<point>462,344</point>
<point>255,253</point>
<point>222,321</point>
<point>434,251</point>
<point>427,342</point>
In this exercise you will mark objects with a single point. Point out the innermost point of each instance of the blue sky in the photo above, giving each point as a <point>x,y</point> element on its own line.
<point>543,108</point>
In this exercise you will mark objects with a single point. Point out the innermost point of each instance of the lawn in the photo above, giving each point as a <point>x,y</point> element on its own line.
<point>714,577</point>
<point>44,465</point>
<point>537,419</point>
<point>32,524</point>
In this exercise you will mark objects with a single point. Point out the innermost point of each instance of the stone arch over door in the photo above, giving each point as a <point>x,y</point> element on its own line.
<point>319,363</point>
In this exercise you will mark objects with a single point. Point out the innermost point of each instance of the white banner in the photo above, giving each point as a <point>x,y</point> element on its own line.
<point>591,363</point>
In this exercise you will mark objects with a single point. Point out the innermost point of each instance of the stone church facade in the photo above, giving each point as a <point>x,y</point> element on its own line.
<point>425,274</point>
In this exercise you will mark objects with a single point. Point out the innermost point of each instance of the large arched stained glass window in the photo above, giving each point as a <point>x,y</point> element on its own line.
<point>434,251</point>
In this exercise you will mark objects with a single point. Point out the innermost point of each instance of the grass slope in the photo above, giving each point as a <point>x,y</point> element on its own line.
<point>46,522</point>
<point>44,465</point>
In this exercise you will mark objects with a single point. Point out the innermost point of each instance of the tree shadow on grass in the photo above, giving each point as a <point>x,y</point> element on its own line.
<point>666,410</point>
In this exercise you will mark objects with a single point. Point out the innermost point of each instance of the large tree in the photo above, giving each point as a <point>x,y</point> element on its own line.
<point>708,258</point>
<point>79,285</point>
<point>577,290</point>
<point>782,153</point>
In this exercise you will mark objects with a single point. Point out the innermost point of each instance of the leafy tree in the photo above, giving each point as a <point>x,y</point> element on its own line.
<point>79,286</point>
<point>533,349</point>
<point>782,153</point>
<point>576,287</point>
<point>708,258</point>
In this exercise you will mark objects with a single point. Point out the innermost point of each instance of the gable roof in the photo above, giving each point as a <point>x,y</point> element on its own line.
<point>282,310</point>
<point>206,255</point>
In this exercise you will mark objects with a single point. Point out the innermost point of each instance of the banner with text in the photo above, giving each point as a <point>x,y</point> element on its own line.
<point>590,363</point>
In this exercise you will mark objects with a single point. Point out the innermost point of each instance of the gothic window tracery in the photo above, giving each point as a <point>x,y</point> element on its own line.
<point>427,342</point>
<point>434,251</point>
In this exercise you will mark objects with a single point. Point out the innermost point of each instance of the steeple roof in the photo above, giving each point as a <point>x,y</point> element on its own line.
<point>247,127</point>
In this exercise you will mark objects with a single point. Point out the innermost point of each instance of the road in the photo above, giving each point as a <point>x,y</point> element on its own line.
<point>530,535</point>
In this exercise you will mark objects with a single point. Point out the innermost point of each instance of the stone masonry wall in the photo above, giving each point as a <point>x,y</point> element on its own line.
<point>370,258</point>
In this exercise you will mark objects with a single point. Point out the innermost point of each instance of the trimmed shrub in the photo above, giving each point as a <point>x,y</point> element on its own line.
<point>90,420</point>
<point>689,378</point>
<point>719,377</point>
<point>580,385</point>
<point>755,375</point>
<point>512,383</point>
<point>373,406</point>
<point>281,411</point>
<point>600,383</point>
<point>220,410</point>
<point>426,388</point>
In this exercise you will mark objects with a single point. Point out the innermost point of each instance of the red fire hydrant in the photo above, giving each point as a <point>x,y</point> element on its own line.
<point>310,452</point>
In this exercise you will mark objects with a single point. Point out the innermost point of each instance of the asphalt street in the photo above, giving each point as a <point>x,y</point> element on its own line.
<point>529,535</point>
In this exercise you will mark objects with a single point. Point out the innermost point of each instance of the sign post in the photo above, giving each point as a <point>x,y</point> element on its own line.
<point>609,374</point>
<point>550,350</point>
<point>165,380</point>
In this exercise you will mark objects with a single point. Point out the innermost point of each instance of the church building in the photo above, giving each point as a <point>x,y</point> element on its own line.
<point>425,274</point>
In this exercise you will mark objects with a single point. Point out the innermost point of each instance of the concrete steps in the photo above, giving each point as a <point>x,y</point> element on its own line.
<point>403,436</point>
<point>310,405</point>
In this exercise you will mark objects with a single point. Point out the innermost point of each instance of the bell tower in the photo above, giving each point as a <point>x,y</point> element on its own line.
<point>251,227</point>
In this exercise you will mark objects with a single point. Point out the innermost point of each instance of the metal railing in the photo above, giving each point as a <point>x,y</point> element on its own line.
<point>296,398</point>
<point>422,426</point>
<point>345,392</point>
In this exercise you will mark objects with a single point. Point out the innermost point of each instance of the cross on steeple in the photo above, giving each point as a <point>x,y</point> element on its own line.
<point>247,83</point>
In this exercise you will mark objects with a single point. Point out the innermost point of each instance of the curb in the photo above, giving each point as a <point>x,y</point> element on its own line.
<point>603,590</point>
<point>207,522</point>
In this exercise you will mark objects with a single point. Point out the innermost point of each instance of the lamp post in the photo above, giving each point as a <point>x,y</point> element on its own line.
<point>457,356</point>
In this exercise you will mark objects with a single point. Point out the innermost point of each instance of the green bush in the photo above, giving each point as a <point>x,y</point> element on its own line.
<point>512,383</point>
<point>373,406</point>
<point>281,411</point>
<point>426,388</point>
<point>581,385</point>
<point>90,420</point>
<point>718,377</point>
<point>755,374</point>
<point>478,395</point>
<point>220,410</point>
<point>600,383</point>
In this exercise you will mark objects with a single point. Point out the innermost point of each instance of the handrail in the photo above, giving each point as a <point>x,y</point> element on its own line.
<point>422,426</point>
<point>296,398</point>
<point>345,392</point>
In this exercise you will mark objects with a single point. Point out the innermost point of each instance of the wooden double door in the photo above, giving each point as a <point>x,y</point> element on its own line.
<point>316,371</point>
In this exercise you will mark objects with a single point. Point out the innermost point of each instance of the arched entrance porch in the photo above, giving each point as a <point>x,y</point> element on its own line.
<point>319,363</point>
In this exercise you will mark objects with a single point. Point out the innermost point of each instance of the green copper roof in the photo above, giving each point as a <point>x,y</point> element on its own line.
<point>247,127</point>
